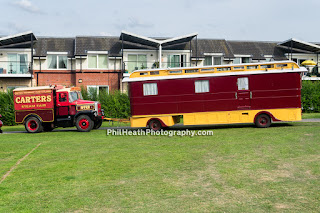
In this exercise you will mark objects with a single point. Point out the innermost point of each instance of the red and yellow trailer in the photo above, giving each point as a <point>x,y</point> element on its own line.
<point>258,93</point>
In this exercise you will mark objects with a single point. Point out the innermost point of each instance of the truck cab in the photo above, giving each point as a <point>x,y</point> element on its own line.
<point>72,110</point>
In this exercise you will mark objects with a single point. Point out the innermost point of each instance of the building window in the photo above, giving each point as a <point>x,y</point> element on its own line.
<point>10,88</point>
<point>97,61</point>
<point>243,84</point>
<point>217,60</point>
<point>17,64</point>
<point>245,60</point>
<point>136,62</point>
<point>57,61</point>
<point>207,60</point>
<point>176,61</point>
<point>201,86</point>
<point>150,89</point>
<point>241,60</point>
<point>97,89</point>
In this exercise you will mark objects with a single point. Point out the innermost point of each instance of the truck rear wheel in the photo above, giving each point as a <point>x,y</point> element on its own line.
<point>84,123</point>
<point>263,121</point>
<point>33,125</point>
<point>97,124</point>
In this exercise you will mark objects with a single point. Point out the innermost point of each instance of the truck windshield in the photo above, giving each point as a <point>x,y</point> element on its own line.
<point>73,96</point>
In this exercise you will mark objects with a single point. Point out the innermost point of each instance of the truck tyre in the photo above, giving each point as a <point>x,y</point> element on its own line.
<point>84,123</point>
<point>97,124</point>
<point>33,125</point>
<point>155,125</point>
<point>263,121</point>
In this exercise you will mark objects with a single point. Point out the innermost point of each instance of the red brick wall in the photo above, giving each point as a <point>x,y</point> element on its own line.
<point>89,77</point>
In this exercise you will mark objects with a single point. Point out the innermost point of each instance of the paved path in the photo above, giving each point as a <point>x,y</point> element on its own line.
<point>179,126</point>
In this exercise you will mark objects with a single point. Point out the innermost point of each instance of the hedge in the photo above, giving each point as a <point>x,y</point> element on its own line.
<point>117,104</point>
<point>310,96</point>
<point>7,108</point>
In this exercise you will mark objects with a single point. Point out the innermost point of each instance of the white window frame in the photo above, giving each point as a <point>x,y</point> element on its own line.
<point>146,92</point>
<point>199,86</point>
<point>137,61</point>
<point>91,54</point>
<point>185,63</point>
<point>98,87</point>
<point>211,57</point>
<point>57,57</point>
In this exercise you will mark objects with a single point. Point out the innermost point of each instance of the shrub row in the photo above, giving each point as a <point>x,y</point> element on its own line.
<point>117,104</point>
<point>310,96</point>
<point>7,108</point>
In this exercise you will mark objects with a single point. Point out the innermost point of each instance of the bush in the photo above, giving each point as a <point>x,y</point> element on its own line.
<point>310,96</point>
<point>7,108</point>
<point>115,104</point>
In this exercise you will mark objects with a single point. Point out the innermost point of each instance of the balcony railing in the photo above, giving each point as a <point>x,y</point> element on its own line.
<point>14,67</point>
<point>130,66</point>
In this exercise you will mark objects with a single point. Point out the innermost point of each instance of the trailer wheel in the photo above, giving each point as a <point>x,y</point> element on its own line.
<point>263,121</point>
<point>97,124</point>
<point>84,123</point>
<point>155,125</point>
<point>33,125</point>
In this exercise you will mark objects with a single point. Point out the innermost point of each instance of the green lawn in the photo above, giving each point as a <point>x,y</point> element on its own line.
<point>310,115</point>
<point>238,169</point>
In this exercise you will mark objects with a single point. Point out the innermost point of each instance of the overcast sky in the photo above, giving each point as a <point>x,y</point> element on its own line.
<point>269,20</point>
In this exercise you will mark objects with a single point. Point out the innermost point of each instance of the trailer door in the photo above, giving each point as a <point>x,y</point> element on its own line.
<point>243,94</point>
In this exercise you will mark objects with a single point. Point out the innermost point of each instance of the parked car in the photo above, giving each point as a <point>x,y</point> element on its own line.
<point>0,124</point>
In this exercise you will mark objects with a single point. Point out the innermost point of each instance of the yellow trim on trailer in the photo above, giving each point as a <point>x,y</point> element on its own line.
<point>220,117</point>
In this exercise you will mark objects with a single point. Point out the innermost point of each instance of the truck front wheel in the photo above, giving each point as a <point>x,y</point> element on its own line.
<point>84,123</point>
<point>33,125</point>
<point>97,124</point>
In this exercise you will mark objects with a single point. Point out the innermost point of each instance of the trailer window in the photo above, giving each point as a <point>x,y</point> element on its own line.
<point>150,89</point>
<point>243,84</point>
<point>201,86</point>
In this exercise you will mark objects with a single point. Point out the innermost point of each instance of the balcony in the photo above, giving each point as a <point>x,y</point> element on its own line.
<point>15,69</point>
<point>130,66</point>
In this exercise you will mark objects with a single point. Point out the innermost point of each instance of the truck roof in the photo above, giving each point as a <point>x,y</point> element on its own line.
<point>33,88</point>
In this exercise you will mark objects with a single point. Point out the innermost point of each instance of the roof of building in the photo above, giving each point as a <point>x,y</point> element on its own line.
<point>152,42</point>
<point>92,43</point>
<point>21,40</point>
<point>211,46</point>
<point>45,45</point>
<point>258,50</point>
<point>296,45</point>
<point>81,45</point>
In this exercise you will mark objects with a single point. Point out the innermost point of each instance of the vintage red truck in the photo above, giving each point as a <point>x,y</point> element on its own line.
<point>47,107</point>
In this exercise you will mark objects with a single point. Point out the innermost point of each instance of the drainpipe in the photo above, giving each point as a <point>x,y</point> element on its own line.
<point>31,63</point>
<point>160,56</point>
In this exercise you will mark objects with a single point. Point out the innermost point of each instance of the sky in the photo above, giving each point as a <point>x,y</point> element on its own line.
<point>269,20</point>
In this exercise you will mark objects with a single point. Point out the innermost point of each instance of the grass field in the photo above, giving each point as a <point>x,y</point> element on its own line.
<point>238,169</point>
<point>310,115</point>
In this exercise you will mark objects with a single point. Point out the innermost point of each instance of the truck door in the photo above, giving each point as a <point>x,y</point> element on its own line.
<point>243,93</point>
<point>62,104</point>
